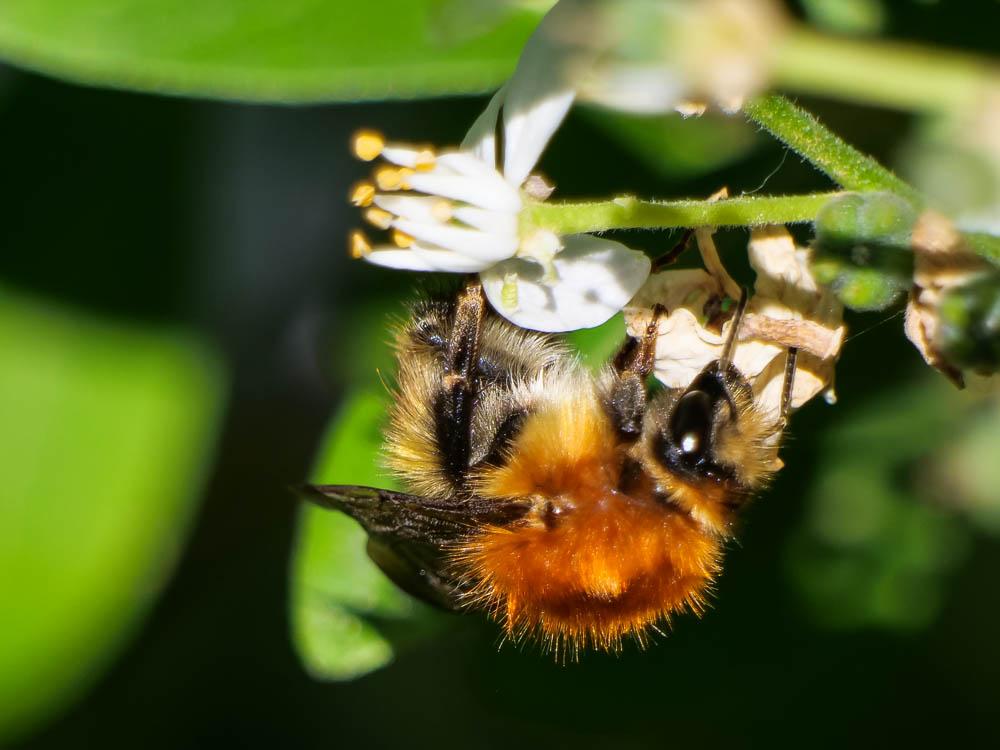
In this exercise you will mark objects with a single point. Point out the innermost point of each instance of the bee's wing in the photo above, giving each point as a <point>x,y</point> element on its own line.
<point>407,533</point>
<point>417,569</point>
<point>404,517</point>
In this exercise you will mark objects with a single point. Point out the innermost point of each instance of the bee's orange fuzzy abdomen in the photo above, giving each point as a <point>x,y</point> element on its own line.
<point>610,570</point>
<point>593,564</point>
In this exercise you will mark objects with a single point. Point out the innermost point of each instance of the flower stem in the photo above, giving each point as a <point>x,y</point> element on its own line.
<point>628,212</point>
<point>882,73</point>
<point>829,153</point>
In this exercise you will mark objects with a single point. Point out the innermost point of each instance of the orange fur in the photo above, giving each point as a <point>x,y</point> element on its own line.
<point>591,564</point>
<point>614,540</point>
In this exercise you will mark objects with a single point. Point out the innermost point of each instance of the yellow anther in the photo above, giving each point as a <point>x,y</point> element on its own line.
<point>391,178</point>
<point>424,161</point>
<point>441,210</point>
<point>362,194</point>
<point>387,178</point>
<point>367,144</point>
<point>401,239</point>
<point>378,217</point>
<point>359,244</point>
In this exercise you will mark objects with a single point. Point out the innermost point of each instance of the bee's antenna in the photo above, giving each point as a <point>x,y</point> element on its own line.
<point>727,351</point>
<point>788,386</point>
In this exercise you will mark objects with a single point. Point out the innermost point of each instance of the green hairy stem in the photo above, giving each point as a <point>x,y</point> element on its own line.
<point>628,212</point>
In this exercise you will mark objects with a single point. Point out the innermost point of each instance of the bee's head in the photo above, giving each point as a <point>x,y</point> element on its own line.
<point>708,431</point>
<point>710,445</point>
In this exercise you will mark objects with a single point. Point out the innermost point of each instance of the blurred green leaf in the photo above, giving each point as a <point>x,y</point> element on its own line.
<point>876,549</point>
<point>846,16</point>
<point>678,147</point>
<point>105,435</point>
<point>342,604</point>
<point>261,50</point>
<point>597,345</point>
<point>969,334</point>
<point>370,325</point>
<point>966,472</point>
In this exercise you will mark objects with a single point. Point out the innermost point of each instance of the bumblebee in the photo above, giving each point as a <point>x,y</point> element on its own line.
<point>571,506</point>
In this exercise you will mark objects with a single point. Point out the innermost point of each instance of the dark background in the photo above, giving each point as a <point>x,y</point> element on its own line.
<point>232,219</point>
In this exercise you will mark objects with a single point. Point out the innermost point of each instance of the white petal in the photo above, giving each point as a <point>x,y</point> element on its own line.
<point>466,164</point>
<point>481,138</point>
<point>494,194</point>
<point>423,258</point>
<point>639,89</point>
<point>530,120</point>
<point>413,207</point>
<point>446,260</point>
<point>494,222</point>
<point>394,257</point>
<point>540,93</point>
<point>485,247</point>
<point>406,156</point>
<point>683,348</point>
<point>595,279</point>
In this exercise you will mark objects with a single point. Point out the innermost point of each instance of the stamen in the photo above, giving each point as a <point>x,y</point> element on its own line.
<point>441,210</point>
<point>362,194</point>
<point>378,217</point>
<point>367,144</point>
<point>425,160</point>
<point>508,292</point>
<point>388,178</point>
<point>419,208</point>
<point>359,244</point>
<point>401,239</point>
<point>420,158</point>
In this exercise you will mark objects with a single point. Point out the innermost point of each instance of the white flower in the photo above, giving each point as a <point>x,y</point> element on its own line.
<point>942,262</point>
<point>787,309</point>
<point>456,211</point>
<point>653,56</point>
<point>461,210</point>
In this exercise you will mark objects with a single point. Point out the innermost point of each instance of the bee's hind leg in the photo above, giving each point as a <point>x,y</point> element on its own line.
<point>456,400</point>
<point>626,397</point>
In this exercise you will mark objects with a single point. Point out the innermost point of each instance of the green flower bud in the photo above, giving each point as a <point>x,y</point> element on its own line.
<point>862,248</point>
<point>969,334</point>
<point>866,289</point>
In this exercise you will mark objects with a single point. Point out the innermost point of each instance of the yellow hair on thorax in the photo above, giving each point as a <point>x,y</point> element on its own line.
<point>560,445</point>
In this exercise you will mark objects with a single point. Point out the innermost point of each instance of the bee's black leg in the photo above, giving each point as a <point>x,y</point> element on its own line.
<point>788,386</point>
<point>456,401</point>
<point>671,256</point>
<point>626,399</point>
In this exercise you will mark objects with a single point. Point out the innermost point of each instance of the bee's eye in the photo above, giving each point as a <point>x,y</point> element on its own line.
<point>691,423</point>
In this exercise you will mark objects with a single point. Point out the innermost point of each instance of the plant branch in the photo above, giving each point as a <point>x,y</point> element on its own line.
<point>825,150</point>
<point>882,73</point>
<point>628,212</point>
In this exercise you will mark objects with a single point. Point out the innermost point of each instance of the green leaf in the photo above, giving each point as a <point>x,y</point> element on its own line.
<point>847,16</point>
<point>598,345</point>
<point>105,436</point>
<point>878,547</point>
<point>678,147</point>
<point>965,469</point>
<point>262,50</point>
<point>345,612</point>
